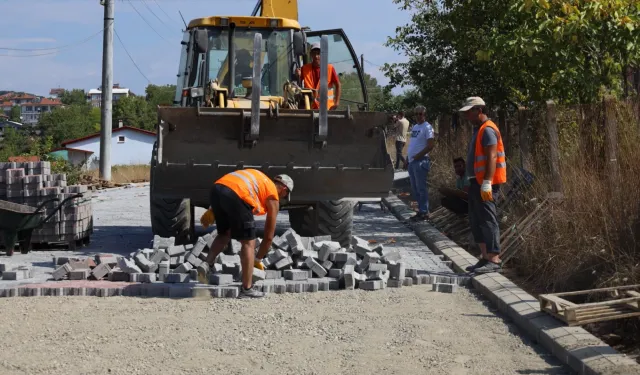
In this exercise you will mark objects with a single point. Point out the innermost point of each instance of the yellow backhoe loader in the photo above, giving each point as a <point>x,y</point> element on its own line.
<point>240,104</point>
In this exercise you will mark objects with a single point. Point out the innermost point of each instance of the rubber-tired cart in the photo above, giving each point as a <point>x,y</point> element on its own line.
<point>17,222</point>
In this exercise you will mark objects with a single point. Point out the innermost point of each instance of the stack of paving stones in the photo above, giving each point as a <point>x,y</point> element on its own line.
<point>31,184</point>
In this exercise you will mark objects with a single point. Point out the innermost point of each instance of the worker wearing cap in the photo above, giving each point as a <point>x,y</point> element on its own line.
<point>310,75</point>
<point>235,198</point>
<point>486,171</point>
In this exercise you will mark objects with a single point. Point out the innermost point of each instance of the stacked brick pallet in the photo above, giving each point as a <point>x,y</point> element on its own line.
<point>31,184</point>
<point>295,264</point>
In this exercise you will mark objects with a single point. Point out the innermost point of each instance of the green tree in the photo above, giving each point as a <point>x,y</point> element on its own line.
<point>75,96</point>
<point>16,112</point>
<point>135,111</point>
<point>515,50</point>
<point>160,95</point>
<point>70,122</point>
<point>13,143</point>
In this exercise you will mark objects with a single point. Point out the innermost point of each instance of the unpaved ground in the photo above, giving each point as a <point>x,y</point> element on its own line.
<point>394,331</point>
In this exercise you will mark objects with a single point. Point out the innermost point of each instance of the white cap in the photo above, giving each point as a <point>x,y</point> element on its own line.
<point>315,45</point>
<point>471,102</point>
<point>286,181</point>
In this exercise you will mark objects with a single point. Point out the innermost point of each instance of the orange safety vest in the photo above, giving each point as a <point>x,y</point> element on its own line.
<point>252,186</point>
<point>307,77</point>
<point>480,160</point>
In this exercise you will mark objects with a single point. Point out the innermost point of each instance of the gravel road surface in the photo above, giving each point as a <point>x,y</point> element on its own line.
<point>398,331</point>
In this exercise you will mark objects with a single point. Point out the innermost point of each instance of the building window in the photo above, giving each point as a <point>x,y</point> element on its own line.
<point>121,139</point>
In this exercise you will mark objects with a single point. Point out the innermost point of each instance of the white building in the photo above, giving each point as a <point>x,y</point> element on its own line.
<point>129,146</point>
<point>95,95</point>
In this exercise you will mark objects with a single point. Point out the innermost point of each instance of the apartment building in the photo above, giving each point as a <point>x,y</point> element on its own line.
<point>95,95</point>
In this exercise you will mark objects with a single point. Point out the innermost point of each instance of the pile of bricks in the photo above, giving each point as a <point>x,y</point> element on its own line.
<point>294,264</point>
<point>31,184</point>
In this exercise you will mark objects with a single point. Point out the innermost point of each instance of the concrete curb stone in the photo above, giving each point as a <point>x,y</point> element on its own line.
<point>574,346</point>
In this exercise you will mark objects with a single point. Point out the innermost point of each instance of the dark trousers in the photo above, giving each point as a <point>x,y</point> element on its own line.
<point>483,219</point>
<point>399,157</point>
<point>455,204</point>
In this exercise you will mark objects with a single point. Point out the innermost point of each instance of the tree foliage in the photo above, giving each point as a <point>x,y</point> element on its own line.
<point>74,121</point>
<point>16,112</point>
<point>75,96</point>
<point>139,111</point>
<point>515,50</point>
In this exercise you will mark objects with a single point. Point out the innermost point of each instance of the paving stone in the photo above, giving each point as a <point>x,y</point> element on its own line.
<point>335,273</point>
<point>79,274</point>
<point>220,279</point>
<point>258,275</point>
<point>408,281</point>
<point>394,283</point>
<point>315,267</point>
<point>61,272</point>
<point>284,263</point>
<point>177,278</point>
<point>128,265</point>
<point>101,271</point>
<point>272,274</point>
<point>145,264</point>
<point>163,243</point>
<point>174,251</point>
<point>183,268</point>
<point>371,285</point>
<point>444,288</point>
<point>349,275</point>
<point>295,275</point>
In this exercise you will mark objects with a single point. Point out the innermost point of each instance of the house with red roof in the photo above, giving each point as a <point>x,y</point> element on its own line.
<point>129,146</point>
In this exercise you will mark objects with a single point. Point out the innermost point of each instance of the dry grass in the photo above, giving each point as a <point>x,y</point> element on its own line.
<point>592,239</point>
<point>124,174</point>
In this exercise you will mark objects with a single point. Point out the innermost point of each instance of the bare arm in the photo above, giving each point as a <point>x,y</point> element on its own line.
<point>491,153</point>
<point>273,206</point>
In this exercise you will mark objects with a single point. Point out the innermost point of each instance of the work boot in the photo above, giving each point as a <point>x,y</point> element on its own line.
<point>419,217</point>
<point>479,264</point>
<point>250,293</point>
<point>489,267</point>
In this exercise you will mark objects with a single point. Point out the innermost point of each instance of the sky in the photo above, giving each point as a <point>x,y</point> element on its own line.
<point>150,30</point>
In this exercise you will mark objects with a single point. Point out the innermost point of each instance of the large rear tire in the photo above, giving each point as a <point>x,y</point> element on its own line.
<point>170,217</point>
<point>334,218</point>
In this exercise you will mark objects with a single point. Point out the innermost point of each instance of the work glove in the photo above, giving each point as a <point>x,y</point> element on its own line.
<point>207,219</point>
<point>486,192</point>
<point>258,264</point>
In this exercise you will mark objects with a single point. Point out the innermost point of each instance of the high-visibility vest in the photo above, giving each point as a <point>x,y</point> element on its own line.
<point>252,186</point>
<point>307,77</point>
<point>480,160</point>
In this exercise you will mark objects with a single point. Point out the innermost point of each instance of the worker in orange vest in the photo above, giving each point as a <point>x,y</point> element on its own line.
<point>310,75</point>
<point>235,198</point>
<point>486,171</point>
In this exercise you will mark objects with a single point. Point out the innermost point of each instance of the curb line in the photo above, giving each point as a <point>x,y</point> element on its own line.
<point>574,346</point>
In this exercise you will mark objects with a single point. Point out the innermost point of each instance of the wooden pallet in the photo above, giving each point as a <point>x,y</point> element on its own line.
<point>625,303</point>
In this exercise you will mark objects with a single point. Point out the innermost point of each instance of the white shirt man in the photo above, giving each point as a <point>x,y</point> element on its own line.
<point>421,143</point>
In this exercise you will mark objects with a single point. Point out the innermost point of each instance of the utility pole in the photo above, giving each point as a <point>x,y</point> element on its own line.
<point>107,91</point>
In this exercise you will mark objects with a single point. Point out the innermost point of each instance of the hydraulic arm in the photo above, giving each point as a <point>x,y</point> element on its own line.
<point>277,8</point>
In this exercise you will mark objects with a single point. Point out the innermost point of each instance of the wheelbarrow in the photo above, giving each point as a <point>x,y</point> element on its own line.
<point>17,222</point>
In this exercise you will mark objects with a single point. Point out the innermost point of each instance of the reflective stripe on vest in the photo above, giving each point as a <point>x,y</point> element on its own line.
<point>479,163</point>
<point>252,185</point>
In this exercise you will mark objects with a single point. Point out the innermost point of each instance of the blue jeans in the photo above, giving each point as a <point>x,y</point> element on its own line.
<point>418,173</point>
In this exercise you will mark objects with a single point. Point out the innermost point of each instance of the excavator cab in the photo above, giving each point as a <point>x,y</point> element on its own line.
<point>240,104</point>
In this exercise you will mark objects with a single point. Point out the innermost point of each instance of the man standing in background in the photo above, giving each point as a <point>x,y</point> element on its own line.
<point>401,129</point>
<point>421,144</point>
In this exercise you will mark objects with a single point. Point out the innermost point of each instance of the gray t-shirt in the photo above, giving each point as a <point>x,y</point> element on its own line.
<point>489,138</point>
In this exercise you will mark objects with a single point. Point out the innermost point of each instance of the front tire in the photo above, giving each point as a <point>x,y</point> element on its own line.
<point>334,218</point>
<point>170,217</point>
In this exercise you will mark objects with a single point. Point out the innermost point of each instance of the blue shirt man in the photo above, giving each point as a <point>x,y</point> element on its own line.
<point>420,145</point>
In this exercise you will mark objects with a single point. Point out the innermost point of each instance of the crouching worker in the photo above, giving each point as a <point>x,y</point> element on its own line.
<point>235,198</point>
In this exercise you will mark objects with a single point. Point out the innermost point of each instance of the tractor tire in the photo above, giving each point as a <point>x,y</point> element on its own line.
<point>334,218</point>
<point>170,217</point>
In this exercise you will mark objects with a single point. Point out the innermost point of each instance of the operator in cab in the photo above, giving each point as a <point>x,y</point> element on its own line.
<point>235,198</point>
<point>310,75</point>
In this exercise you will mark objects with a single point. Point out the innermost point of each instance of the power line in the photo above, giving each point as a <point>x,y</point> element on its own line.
<point>145,21</point>
<point>369,62</point>
<point>56,49</point>
<point>165,13</point>
<point>156,16</point>
<point>128,54</point>
<point>52,48</point>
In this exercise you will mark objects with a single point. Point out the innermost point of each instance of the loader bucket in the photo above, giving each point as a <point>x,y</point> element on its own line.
<point>196,146</point>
